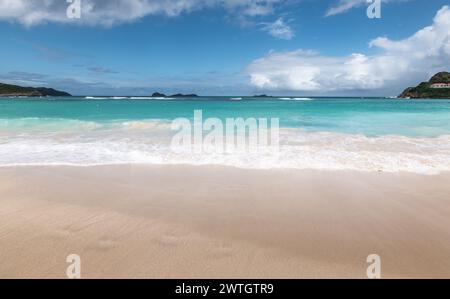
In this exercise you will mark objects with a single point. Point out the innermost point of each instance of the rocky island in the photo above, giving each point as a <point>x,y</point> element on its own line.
<point>158,95</point>
<point>437,88</point>
<point>178,95</point>
<point>262,96</point>
<point>8,90</point>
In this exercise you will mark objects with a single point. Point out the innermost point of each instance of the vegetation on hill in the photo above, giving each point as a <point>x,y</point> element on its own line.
<point>424,90</point>
<point>15,90</point>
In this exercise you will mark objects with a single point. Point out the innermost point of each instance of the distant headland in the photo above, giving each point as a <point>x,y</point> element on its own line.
<point>437,88</point>
<point>9,90</point>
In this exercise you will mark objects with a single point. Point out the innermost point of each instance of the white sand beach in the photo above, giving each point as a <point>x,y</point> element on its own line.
<point>216,222</point>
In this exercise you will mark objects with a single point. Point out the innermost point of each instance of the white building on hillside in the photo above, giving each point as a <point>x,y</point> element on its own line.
<point>440,85</point>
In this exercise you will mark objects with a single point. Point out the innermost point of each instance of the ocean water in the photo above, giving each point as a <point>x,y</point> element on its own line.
<point>373,134</point>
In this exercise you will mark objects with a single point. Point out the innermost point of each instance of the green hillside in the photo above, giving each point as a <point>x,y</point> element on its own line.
<point>424,90</point>
<point>15,90</point>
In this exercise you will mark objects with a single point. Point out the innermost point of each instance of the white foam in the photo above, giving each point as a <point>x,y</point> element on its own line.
<point>147,124</point>
<point>141,98</point>
<point>151,98</point>
<point>295,99</point>
<point>96,98</point>
<point>105,98</point>
<point>148,142</point>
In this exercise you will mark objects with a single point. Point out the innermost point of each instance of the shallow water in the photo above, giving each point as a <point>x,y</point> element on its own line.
<point>375,134</point>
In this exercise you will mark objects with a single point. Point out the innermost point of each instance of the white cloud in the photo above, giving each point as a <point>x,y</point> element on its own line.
<point>345,5</point>
<point>398,63</point>
<point>111,12</point>
<point>279,29</point>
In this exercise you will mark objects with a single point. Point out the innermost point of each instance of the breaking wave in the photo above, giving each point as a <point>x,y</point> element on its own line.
<point>84,143</point>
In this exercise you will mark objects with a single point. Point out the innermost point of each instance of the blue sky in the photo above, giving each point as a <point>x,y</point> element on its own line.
<point>217,47</point>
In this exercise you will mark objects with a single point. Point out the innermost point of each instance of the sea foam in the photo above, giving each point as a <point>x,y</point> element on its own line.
<point>148,142</point>
<point>295,99</point>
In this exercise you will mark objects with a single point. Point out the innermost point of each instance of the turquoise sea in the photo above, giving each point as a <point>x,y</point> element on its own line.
<point>367,134</point>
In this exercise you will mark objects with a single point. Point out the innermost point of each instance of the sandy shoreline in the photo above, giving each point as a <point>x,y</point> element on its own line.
<point>213,222</point>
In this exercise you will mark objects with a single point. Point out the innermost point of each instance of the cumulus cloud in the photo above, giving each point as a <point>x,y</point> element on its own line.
<point>279,29</point>
<point>111,12</point>
<point>398,63</point>
<point>345,5</point>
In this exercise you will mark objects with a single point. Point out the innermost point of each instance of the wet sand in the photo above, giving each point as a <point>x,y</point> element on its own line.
<point>215,222</point>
